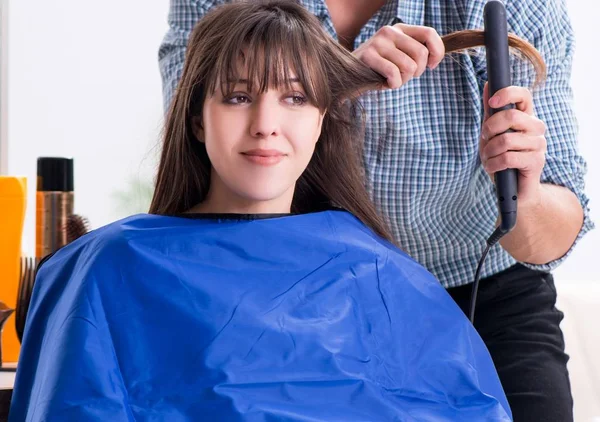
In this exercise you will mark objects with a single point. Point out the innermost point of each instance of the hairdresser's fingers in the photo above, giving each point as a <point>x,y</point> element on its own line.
<point>514,141</point>
<point>430,38</point>
<point>384,67</point>
<point>528,163</point>
<point>410,55</point>
<point>512,119</point>
<point>380,53</point>
<point>410,51</point>
<point>368,54</point>
<point>519,96</point>
<point>406,65</point>
<point>402,45</point>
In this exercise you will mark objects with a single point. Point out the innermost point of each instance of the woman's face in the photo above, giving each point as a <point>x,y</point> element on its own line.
<point>258,144</point>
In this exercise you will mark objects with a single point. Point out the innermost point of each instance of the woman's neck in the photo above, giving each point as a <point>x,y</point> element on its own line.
<point>209,208</point>
<point>217,204</point>
<point>221,199</point>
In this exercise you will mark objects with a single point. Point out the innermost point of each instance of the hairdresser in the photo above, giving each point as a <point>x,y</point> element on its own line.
<point>430,155</point>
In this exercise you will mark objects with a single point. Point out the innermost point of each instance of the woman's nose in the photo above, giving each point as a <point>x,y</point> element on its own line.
<point>265,118</point>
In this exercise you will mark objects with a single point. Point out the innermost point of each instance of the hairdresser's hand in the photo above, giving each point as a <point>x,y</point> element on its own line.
<point>524,149</point>
<point>401,52</point>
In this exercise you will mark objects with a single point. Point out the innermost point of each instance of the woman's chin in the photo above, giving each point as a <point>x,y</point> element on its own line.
<point>267,197</point>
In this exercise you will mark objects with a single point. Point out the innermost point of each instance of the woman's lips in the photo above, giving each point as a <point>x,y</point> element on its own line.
<point>263,157</point>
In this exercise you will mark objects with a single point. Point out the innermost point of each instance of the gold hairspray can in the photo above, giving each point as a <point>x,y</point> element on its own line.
<point>54,203</point>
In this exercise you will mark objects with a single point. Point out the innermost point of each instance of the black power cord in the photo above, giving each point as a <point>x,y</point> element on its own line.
<point>492,240</point>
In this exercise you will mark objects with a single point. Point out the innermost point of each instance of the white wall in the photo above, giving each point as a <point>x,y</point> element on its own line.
<point>84,82</point>
<point>578,279</point>
<point>581,265</point>
<point>3,87</point>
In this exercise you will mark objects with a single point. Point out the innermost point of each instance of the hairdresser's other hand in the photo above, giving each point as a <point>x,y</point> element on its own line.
<point>401,52</point>
<point>524,149</point>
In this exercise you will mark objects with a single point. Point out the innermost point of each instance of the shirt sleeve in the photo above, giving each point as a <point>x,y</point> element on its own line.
<point>183,16</point>
<point>547,26</point>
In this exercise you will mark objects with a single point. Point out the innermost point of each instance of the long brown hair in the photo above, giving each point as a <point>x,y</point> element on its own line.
<point>273,37</point>
<point>471,38</point>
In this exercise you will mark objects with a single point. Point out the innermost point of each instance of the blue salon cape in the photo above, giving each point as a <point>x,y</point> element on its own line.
<point>297,318</point>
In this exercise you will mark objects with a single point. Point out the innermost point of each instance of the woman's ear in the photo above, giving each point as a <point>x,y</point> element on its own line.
<point>197,128</point>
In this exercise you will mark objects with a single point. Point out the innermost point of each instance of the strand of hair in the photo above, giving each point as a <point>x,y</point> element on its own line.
<point>464,40</point>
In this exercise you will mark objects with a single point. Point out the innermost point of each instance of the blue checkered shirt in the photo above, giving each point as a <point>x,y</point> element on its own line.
<point>421,151</point>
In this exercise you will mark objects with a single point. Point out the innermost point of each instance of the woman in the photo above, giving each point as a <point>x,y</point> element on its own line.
<point>263,285</point>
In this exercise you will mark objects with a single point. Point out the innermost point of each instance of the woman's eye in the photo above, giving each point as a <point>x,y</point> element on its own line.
<point>238,99</point>
<point>296,99</point>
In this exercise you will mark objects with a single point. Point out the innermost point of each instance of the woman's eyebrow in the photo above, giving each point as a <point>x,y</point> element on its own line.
<point>245,81</point>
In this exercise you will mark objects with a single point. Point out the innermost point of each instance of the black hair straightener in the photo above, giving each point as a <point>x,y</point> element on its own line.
<point>498,71</point>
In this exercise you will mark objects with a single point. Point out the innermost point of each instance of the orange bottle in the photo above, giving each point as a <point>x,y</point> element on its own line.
<point>13,201</point>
